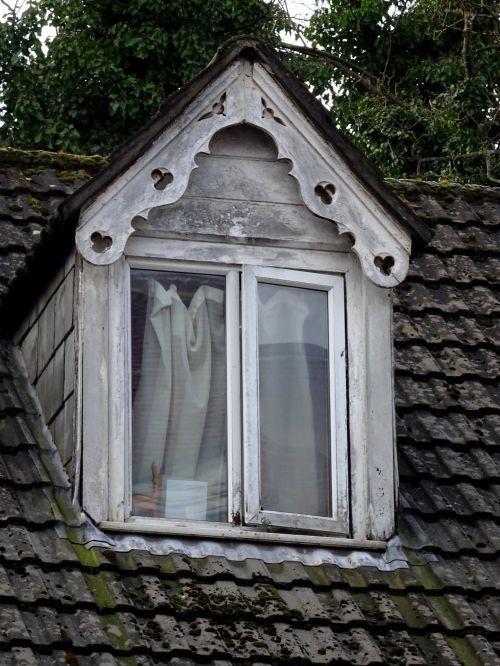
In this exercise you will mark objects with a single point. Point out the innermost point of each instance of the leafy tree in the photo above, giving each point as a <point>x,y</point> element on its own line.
<point>415,82</point>
<point>110,65</point>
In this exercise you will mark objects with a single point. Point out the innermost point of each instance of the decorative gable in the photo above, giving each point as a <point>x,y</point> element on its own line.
<point>246,93</point>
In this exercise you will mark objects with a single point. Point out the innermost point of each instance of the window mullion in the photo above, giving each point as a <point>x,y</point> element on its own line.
<point>233,395</point>
<point>250,398</point>
<point>338,401</point>
<point>119,468</point>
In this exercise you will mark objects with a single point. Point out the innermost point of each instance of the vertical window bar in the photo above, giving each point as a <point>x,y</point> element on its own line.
<point>233,395</point>
<point>338,400</point>
<point>251,425</point>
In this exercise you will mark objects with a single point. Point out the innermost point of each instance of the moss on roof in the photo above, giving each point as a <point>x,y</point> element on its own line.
<point>40,159</point>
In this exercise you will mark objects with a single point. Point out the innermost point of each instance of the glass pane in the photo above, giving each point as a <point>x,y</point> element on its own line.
<point>179,440</point>
<point>294,400</point>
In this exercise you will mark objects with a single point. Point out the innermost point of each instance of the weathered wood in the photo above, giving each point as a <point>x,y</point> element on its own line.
<point>64,308</point>
<point>241,179</point>
<point>30,352</point>
<point>50,385</point>
<point>70,263</point>
<point>241,208</point>
<point>243,193</point>
<point>48,292</point>
<point>42,387</point>
<point>67,444</point>
<point>40,305</point>
<point>62,430</point>
<point>69,365</point>
<point>46,324</point>
<point>225,253</point>
<point>118,390</point>
<point>48,350</point>
<point>56,430</point>
<point>95,394</point>
<point>328,185</point>
<point>371,407</point>
<point>382,484</point>
<point>243,222</point>
<point>215,530</point>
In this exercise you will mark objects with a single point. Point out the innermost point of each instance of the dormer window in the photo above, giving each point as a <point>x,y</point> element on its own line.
<point>187,402</point>
<point>235,355</point>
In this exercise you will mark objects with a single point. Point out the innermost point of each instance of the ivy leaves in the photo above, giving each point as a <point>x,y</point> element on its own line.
<point>416,83</point>
<point>110,65</point>
<point>422,97</point>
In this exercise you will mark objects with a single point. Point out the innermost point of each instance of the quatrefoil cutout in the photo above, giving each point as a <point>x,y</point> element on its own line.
<point>100,242</point>
<point>384,264</point>
<point>161,178</point>
<point>325,191</point>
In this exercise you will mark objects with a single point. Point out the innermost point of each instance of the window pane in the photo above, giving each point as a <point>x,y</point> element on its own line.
<point>294,400</point>
<point>179,440</point>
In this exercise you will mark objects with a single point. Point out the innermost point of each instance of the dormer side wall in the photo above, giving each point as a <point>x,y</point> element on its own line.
<point>47,342</point>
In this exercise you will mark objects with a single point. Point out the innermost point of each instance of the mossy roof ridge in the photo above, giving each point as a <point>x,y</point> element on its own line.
<point>20,158</point>
<point>483,192</point>
<point>24,158</point>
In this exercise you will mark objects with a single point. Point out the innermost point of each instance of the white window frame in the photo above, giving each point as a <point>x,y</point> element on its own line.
<point>333,285</point>
<point>233,379</point>
<point>103,390</point>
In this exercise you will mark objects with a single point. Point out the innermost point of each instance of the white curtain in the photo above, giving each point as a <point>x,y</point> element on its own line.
<point>293,397</point>
<point>178,418</point>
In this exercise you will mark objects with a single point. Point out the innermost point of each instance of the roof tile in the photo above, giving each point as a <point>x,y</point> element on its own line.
<point>453,427</point>
<point>436,329</point>
<point>460,499</point>
<point>469,396</point>
<point>444,463</point>
<point>471,240</point>
<point>448,361</point>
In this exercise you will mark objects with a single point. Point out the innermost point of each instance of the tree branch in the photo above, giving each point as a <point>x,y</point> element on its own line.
<point>487,154</point>
<point>389,50</point>
<point>6,5</point>
<point>367,80</point>
<point>463,156</point>
<point>467,42</point>
<point>489,175</point>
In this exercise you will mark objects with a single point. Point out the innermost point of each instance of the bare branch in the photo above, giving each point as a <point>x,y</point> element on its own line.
<point>487,154</point>
<point>284,6</point>
<point>467,41</point>
<point>463,156</point>
<point>5,4</point>
<point>488,170</point>
<point>13,10</point>
<point>367,80</point>
<point>389,50</point>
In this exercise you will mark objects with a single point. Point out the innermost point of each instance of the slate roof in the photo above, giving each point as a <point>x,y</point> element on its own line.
<point>32,186</point>
<point>64,603</point>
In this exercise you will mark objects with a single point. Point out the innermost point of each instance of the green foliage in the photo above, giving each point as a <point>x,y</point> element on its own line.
<point>110,65</point>
<point>416,83</point>
<point>424,83</point>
